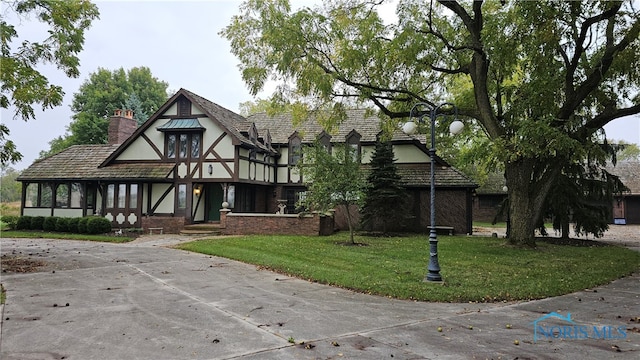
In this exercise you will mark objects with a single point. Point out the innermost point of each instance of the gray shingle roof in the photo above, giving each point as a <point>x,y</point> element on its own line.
<point>281,127</point>
<point>234,123</point>
<point>80,162</point>
<point>629,173</point>
<point>445,176</point>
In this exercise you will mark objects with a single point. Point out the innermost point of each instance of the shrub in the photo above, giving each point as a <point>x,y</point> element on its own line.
<point>24,223</point>
<point>98,225</point>
<point>49,223</point>
<point>37,222</point>
<point>72,225</point>
<point>82,225</point>
<point>62,225</point>
<point>10,220</point>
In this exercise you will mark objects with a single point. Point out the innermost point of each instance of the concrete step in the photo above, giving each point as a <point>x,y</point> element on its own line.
<point>201,229</point>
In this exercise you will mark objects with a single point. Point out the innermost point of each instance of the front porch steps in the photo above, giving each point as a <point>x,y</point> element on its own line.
<point>204,229</point>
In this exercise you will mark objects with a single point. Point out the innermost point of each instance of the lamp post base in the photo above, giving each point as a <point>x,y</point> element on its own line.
<point>433,278</point>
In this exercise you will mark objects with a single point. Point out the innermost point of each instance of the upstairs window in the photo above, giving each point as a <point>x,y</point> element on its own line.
<point>325,140</point>
<point>183,138</point>
<point>353,145</point>
<point>183,145</point>
<point>295,150</point>
<point>184,107</point>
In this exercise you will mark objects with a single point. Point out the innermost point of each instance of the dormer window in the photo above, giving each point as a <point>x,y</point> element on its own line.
<point>325,140</point>
<point>353,143</point>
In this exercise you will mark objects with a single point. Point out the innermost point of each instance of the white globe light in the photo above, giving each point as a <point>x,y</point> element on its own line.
<point>456,127</point>
<point>409,128</point>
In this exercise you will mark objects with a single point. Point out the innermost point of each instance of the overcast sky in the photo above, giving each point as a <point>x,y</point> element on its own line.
<point>146,33</point>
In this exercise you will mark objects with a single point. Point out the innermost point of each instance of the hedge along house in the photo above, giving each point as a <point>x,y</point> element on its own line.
<point>192,155</point>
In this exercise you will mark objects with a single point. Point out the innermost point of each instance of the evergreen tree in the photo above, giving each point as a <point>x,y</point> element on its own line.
<point>385,198</point>
<point>134,103</point>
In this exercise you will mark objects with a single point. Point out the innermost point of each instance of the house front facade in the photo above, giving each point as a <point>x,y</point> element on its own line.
<point>193,157</point>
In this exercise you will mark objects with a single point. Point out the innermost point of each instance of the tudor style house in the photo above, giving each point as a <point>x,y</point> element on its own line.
<point>192,155</point>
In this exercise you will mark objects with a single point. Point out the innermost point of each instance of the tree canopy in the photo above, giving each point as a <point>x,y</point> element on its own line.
<point>103,92</point>
<point>540,78</point>
<point>22,85</point>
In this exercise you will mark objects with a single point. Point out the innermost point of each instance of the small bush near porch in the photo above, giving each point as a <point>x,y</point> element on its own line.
<point>473,268</point>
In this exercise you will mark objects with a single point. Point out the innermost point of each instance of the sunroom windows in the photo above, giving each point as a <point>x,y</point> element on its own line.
<point>56,195</point>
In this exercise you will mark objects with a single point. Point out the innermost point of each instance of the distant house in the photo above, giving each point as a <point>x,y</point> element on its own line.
<point>489,197</point>
<point>192,156</point>
<point>626,208</point>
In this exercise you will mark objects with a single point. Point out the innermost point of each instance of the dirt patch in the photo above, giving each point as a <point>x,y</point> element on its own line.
<point>20,264</point>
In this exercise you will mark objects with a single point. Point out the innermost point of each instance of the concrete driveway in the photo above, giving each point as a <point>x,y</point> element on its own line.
<point>142,300</point>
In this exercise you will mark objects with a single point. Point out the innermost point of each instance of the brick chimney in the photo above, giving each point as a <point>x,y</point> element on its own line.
<point>121,127</point>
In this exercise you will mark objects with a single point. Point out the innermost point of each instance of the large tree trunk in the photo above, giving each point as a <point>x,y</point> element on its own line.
<point>528,188</point>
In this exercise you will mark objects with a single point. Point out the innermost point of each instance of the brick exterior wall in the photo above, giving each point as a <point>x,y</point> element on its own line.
<point>121,127</point>
<point>169,224</point>
<point>249,224</point>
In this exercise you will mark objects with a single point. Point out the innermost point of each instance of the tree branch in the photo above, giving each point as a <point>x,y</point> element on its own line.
<point>599,70</point>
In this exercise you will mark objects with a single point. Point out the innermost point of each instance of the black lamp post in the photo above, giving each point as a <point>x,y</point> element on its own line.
<point>409,128</point>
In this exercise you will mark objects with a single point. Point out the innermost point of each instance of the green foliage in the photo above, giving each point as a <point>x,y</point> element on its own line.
<point>24,223</point>
<point>36,223</point>
<point>8,152</point>
<point>385,198</point>
<point>332,179</point>
<point>100,95</point>
<point>72,224</point>
<point>583,194</point>
<point>10,189</point>
<point>10,221</point>
<point>82,225</point>
<point>62,225</point>
<point>22,85</point>
<point>541,79</point>
<point>50,223</point>
<point>98,225</point>
<point>627,151</point>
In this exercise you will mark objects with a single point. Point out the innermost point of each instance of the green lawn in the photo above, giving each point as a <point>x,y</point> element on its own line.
<point>67,236</point>
<point>474,268</point>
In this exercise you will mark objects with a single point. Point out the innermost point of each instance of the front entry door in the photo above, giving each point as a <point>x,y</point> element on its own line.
<point>214,197</point>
